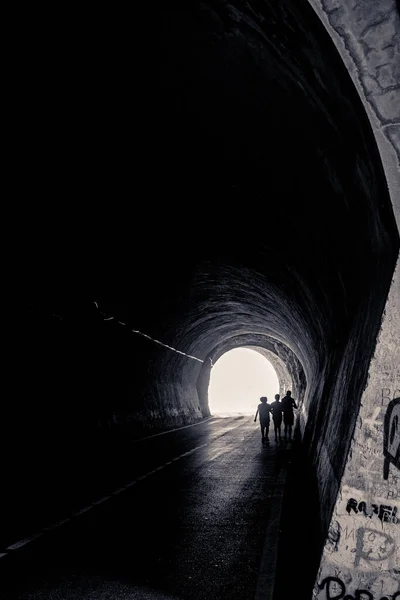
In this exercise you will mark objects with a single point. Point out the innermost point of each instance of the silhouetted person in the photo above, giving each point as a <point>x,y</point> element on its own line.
<point>264,410</point>
<point>276,408</point>
<point>288,404</point>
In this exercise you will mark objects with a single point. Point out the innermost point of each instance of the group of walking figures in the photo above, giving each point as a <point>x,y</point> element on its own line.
<point>280,410</point>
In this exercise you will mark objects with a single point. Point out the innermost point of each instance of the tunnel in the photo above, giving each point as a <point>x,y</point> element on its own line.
<point>239,201</point>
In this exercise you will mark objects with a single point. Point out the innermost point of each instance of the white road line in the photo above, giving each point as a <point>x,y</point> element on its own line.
<point>3,554</point>
<point>25,541</point>
<point>80,512</point>
<point>172,430</point>
<point>100,501</point>
<point>59,523</point>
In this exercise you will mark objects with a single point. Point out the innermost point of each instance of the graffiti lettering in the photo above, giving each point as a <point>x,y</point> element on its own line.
<point>387,396</point>
<point>335,589</point>
<point>391,437</point>
<point>368,450</point>
<point>393,494</point>
<point>349,533</point>
<point>387,514</point>
<point>373,545</point>
<point>352,504</point>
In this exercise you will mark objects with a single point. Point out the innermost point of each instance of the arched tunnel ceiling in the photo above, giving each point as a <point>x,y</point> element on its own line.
<point>259,199</point>
<point>270,213</point>
<point>266,173</point>
<point>366,34</point>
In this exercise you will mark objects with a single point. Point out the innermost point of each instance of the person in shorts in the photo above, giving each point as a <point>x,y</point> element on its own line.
<point>264,412</point>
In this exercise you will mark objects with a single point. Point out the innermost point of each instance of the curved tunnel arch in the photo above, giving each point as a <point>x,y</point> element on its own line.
<point>356,214</point>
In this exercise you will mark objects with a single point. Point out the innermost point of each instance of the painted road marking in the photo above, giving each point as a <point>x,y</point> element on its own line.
<point>25,541</point>
<point>101,501</point>
<point>172,430</point>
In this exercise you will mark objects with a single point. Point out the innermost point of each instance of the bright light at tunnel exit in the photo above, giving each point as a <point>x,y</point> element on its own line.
<point>237,381</point>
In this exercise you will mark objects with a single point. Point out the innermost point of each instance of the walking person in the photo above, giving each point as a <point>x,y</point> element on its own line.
<point>288,404</point>
<point>264,411</point>
<point>276,408</point>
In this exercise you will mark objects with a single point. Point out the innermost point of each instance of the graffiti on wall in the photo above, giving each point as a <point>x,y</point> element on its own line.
<point>388,394</point>
<point>335,589</point>
<point>391,437</point>
<point>361,559</point>
<point>387,514</point>
<point>373,545</point>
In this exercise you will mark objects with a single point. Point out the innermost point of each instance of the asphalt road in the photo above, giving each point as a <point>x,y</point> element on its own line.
<point>196,517</point>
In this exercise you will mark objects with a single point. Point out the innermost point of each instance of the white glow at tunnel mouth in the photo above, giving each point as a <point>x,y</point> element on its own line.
<point>237,381</point>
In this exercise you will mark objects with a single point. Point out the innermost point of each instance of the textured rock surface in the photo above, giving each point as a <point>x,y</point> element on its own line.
<point>362,550</point>
<point>367,36</point>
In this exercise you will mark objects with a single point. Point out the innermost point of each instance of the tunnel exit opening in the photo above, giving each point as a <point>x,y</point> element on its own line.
<point>237,381</point>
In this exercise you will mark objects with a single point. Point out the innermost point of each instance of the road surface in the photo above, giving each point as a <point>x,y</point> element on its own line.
<point>196,517</point>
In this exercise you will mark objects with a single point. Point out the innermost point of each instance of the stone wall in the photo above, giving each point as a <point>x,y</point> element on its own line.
<point>362,551</point>
<point>361,554</point>
<point>366,35</point>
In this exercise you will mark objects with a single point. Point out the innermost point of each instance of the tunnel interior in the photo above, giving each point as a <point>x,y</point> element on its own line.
<point>251,210</point>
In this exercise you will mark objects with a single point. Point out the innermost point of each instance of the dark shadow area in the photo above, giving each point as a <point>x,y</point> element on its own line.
<point>195,529</point>
<point>301,535</point>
